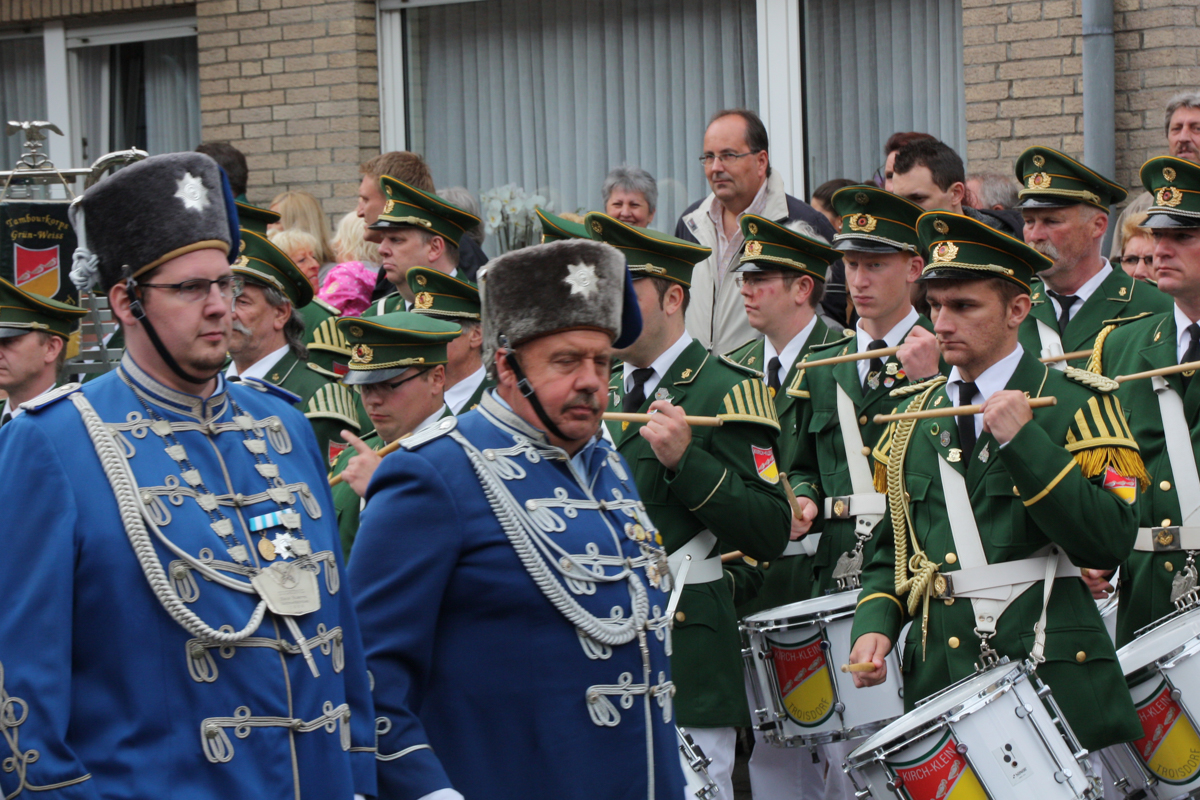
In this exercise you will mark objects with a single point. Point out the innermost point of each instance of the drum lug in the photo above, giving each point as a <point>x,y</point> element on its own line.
<point>1176,694</point>
<point>1023,711</point>
<point>962,748</point>
<point>895,784</point>
<point>1062,776</point>
<point>839,708</point>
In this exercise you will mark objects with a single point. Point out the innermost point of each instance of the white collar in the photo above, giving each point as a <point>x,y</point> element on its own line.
<point>1087,290</point>
<point>1182,338</point>
<point>791,351</point>
<point>991,380</point>
<point>660,364</point>
<point>260,368</point>
<point>432,418</point>
<point>893,338</point>
<point>458,394</point>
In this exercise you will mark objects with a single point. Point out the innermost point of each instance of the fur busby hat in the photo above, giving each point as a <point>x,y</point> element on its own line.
<point>559,286</point>
<point>148,213</point>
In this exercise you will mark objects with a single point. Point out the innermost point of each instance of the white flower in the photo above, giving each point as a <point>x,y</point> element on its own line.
<point>492,219</point>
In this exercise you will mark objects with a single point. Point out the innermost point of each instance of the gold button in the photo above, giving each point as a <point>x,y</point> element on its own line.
<point>953,642</point>
<point>1081,656</point>
<point>1169,567</point>
<point>1016,491</point>
<point>862,420</point>
<point>949,601</point>
<point>1166,523</point>
<point>951,558</point>
<point>1165,486</point>
<point>866,451</point>
<point>680,616</point>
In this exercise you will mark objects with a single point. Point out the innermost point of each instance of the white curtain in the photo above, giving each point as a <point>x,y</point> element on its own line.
<point>22,91</point>
<point>172,95</point>
<point>875,67</point>
<point>92,85</point>
<point>551,95</point>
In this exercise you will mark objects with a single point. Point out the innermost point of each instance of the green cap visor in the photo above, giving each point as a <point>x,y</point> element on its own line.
<point>1055,180</point>
<point>961,248</point>
<point>385,346</point>
<point>409,207</point>
<point>648,253</point>
<point>875,221</point>
<point>1175,186</point>
<point>263,263</point>
<point>555,228</point>
<point>441,296</point>
<point>22,312</point>
<point>253,218</point>
<point>771,247</point>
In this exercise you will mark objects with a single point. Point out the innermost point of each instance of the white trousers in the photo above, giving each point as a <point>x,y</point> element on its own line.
<point>779,773</point>
<point>718,744</point>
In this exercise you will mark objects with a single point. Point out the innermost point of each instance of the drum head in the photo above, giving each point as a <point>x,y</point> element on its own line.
<point>816,607</point>
<point>1160,640</point>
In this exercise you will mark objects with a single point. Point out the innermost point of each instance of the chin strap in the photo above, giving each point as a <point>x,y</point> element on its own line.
<point>139,313</point>
<point>527,391</point>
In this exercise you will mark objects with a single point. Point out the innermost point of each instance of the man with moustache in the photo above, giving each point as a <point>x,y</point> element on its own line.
<point>1065,208</point>
<point>176,626</point>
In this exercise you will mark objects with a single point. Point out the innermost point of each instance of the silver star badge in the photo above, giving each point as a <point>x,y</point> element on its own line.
<point>191,191</point>
<point>581,279</point>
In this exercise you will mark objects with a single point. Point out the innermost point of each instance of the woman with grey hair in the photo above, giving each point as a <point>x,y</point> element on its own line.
<point>630,195</point>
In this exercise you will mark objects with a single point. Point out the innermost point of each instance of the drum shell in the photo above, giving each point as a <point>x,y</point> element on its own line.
<point>808,712</point>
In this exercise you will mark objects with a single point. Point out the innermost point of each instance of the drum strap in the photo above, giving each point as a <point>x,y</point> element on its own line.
<point>701,569</point>
<point>992,588</point>
<point>802,547</point>
<point>1051,344</point>
<point>873,503</point>
<point>1179,450</point>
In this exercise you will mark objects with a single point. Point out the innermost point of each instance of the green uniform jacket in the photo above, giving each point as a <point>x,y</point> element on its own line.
<point>474,399</point>
<point>327,347</point>
<point>1118,297</point>
<point>346,503</point>
<point>821,470</point>
<point>386,305</point>
<point>787,578</point>
<point>1145,581</point>
<point>1024,496</point>
<point>329,406</point>
<point>716,486</point>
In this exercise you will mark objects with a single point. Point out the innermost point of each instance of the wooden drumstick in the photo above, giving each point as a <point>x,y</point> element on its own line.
<point>956,411</point>
<point>1065,356</point>
<point>383,451</point>
<point>791,496</point>
<point>882,352</point>
<point>695,422</point>
<point>1153,373</point>
<point>736,555</point>
<point>865,666</point>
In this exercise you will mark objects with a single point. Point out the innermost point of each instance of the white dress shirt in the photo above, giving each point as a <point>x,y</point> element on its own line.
<point>1084,292</point>
<point>260,368</point>
<point>990,381</point>
<point>660,365</point>
<point>457,395</point>
<point>893,338</point>
<point>791,351</point>
<point>1182,321</point>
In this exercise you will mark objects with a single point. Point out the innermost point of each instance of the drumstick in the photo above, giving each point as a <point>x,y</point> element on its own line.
<point>1153,373</point>
<point>882,352</point>
<point>733,556</point>
<point>791,496</point>
<point>695,422</point>
<point>383,451</point>
<point>865,666</point>
<point>1065,356</point>
<point>956,411</point>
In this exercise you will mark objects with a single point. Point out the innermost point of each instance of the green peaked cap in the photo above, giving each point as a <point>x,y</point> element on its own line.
<point>253,218</point>
<point>648,253</point>
<point>1175,186</point>
<point>407,206</point>
<point>439,295</point>
<point>262,262</point>
<point>875,221</point>
<point>555,228</point>
<point>771,246</point>
<point>961,248</point>
<point>22,312</point>
<point>1053,180</point>
<point>384,346</point>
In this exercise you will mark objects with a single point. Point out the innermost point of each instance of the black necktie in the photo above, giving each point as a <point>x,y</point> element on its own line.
<point>1065,301</point>
<point>636,396</point>
<point>773,375</point>
<point>966,423</point>
<point>875,367</point>
<point>8,415</point>
<point>1193,351</point>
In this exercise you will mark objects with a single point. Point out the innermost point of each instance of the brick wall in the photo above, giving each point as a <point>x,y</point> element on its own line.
<point>1022,69</point>
<point>40,10</point>
<point>293,84</point>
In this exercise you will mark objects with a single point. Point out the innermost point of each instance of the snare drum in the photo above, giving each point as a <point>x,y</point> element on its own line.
<point>800,696</point>
<point>1164,680</point>
<point>695,769</point>
<point>988,736</point>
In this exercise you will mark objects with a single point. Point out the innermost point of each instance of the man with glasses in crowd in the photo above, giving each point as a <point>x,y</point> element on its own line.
<point>175,620</point>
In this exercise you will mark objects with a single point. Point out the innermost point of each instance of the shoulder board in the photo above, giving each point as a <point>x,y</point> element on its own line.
<point>53,396</point>
<point>849,334</point>
<point>1099,439</point>
<point>740,367</point>
<point>270,388</point>
<point>327,336</point>
<point>749,401</point>
<point>1123,320</point>
<point>333,401</point>
<point>747,345</point>
<point>1092,380</point>
<point>916,388</point>
<point>435,431</point>
<point>324,373</point>
<point>337,312</point>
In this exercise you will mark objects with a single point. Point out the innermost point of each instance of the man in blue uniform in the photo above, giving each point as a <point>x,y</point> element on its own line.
<point>517,623</point>
<point>175,624</point>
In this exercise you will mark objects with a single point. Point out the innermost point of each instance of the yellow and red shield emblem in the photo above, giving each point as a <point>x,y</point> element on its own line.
<point>36,270</point>
<point>764,463</point>
<point>1170,746</point>
<point>804,682</point>
<point>941,774</point>
<point>1123,487</point>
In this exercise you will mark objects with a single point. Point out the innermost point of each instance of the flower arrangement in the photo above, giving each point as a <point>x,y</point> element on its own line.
<point>508,214</point>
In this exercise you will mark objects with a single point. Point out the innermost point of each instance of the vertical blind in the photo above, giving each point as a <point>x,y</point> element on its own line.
<point>875,67</point>
<point>22,91</point>
<point>551,95</point>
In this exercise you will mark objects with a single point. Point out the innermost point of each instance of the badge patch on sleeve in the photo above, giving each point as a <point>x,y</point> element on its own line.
<point>1118,484</point>
<point>764,462</point>
<point>335,450</point>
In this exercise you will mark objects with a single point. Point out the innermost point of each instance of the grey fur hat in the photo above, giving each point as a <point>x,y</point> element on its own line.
<point>148,213</point>
<point>547,288</point>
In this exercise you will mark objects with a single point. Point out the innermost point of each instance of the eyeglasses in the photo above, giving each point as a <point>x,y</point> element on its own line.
<point>197,289</point>
<point>384,387</point>
<point>754,281</point>
<point>725,158</point>
<point>1132,261</point>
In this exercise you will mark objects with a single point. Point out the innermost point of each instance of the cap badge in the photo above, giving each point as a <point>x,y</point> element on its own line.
<point>753,249</point>
<point>423,300</point>
<point>242,261</point>
<point>940,226</point>
<point>356,331</point>
<point>1038,180</point>
<point>388,206</point>
<point>753,228</point>
<point>946,251</point>
<point>597,228</point>
<point>191,191</point>
<point>581,277</point>
<point>862,198</point>
<point>862,222</point>
<point>361,354</point>
<point>242,246</point>
<point>687,372</point>
<point>1169,173</point>
<point>422,280</point>
<point>1168,196</point>
<point>1039,161</point>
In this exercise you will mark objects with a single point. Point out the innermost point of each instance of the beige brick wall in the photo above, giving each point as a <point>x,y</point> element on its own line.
<point>1023,63</point>
<point>41,10</point>
<point>294,85</point>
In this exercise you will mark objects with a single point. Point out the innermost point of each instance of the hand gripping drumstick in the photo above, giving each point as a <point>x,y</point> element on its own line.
<point>383,451</point>
<point>792,501</point>
<point>956,411</point>
<point>696,422</point>
<point>866,666</point>
<point>1153,373</point>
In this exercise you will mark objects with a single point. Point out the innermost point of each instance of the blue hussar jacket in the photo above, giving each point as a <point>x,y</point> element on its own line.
<point>111,695</point>
<point>482,683</point>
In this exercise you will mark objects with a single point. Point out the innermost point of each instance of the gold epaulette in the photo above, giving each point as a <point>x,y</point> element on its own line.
<point>916,388</point>
<point>793,389</point>
<point>879,458</point>
<point>1094,361</point>
<point>333,401</point>
<point>1093,380</point>
<point>326,336</point>
<point>1100,438</point>
<point>749,402</point>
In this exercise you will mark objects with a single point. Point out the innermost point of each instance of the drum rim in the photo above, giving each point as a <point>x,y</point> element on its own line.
<point>759,621</point>
<point>1181,630</point>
